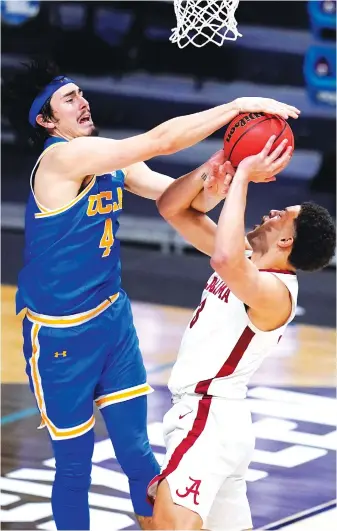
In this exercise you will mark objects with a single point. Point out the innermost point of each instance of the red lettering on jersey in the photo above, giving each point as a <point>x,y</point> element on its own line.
<point>225,296</point>
<point>219,291</point>
<point>193,489</point>
<point>218,287</point>
<point>212,285</point>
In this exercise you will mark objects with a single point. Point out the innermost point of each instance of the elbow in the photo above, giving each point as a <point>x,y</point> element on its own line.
<point>165,210</point>
<point>220,261</point>
<point>161,206</point>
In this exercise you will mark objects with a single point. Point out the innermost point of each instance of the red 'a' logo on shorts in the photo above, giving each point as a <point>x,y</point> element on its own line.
<point>193,489</point>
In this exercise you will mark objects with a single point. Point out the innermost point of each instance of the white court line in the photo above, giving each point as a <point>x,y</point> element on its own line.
<point>325,521</point>
<point>299,516</point>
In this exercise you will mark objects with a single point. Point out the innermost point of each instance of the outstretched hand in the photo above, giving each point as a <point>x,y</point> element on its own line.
<point>263,167</point>
<point>268,106</point>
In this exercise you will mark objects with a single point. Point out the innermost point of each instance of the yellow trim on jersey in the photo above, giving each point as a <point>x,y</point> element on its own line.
<point>50,213</point>
<point>42,208</point>
<point>70,320</point>
<point>46,212</point>
<point>122,396</point>
<point>55,433</point>
<point>38,204</point>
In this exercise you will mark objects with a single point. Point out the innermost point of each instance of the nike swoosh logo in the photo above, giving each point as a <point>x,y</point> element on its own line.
<point>182,416</point>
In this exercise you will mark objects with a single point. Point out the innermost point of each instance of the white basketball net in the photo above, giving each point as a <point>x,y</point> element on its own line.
<point>203,21</point>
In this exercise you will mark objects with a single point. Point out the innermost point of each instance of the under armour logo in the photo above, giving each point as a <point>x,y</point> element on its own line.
<point>193,489</point>
<point>57,354</point>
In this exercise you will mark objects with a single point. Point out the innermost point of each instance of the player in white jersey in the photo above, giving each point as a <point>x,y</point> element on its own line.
<point>244,310</point>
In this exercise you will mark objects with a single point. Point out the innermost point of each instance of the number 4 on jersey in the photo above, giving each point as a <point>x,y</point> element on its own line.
<point>197,313</point>
<point>107,239</point>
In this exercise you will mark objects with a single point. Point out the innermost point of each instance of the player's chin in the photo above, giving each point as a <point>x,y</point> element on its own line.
<point>254,230</point>
<point>250,235</point>
<point>87,128</point>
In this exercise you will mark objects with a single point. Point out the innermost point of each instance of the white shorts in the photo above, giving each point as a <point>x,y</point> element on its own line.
<point>209,445</point>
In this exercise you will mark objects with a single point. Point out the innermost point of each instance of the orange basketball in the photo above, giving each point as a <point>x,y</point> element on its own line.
<point>248,133</point>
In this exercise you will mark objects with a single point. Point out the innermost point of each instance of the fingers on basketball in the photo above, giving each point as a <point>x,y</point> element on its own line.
<point>266,150</point>
<point>274,155</point>
<point>280,163</point>
<point>249,135</point>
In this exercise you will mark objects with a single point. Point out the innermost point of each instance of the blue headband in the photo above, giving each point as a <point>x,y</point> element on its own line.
<point>43,96</point>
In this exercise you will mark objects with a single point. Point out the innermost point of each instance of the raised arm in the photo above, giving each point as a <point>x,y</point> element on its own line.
<point>198,229</point>
<point>263,292</point>
<point>143,181</point>
<point>177,203</point>
<point>88,155</point>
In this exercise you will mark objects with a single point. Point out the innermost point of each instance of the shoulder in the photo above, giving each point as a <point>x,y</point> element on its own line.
<point>54,161</point>
<point>281,302</point>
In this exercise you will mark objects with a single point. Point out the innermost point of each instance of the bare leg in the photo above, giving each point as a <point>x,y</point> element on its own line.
<point>168,515</point>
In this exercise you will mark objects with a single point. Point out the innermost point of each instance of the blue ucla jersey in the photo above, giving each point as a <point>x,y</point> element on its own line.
<point>72,256</point>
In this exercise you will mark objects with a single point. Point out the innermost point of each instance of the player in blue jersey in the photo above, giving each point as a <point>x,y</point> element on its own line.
<point>80,343</point>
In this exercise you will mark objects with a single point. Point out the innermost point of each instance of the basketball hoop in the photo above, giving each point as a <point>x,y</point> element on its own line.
<point>203,21</point>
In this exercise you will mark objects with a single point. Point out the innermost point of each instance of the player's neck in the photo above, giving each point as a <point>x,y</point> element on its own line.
<point>57,134</point>
<point>271,260</point>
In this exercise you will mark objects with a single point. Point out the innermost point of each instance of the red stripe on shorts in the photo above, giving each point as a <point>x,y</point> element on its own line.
<point>187,443</point>
<point>231,362</point>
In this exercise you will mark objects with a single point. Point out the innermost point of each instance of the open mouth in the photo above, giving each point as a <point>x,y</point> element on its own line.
<point>85,119</point>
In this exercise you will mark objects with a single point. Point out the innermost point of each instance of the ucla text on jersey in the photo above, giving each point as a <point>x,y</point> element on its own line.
<point>72,256</point>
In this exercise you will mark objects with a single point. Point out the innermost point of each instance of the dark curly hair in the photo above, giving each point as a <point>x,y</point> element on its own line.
<point>315,238</point>
<point>18,94</point>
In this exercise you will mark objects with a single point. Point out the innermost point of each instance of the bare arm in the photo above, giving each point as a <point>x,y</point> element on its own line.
<point>88,155</point>
<point>143,181</point>
<point>176,203</point>
<point>264,293</point>
<point>201,189</point>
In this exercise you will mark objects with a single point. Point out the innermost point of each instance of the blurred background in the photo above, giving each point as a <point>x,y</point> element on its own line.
<point>134,78</point>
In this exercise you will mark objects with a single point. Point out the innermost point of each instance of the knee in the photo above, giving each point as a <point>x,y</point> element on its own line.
<point>73,473</point>
<point>137,459</point>
<point>73,463</point>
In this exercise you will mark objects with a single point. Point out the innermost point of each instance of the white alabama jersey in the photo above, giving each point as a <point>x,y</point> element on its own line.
<point>221,348</point>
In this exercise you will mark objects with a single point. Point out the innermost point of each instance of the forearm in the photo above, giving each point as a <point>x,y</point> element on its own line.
<point>188,191</point>
<point>182,193</point>
<point>205,202</point>
<point>230,242</point>
<point>196,228</point>
<point>185,131</point>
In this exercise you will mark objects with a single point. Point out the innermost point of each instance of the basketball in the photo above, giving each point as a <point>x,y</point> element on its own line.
<point>248,133</point>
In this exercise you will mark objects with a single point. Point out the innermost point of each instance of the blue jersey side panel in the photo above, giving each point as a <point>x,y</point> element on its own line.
<point>72,255</point>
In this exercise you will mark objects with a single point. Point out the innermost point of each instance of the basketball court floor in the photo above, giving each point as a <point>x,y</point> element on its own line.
<point>291,480</point>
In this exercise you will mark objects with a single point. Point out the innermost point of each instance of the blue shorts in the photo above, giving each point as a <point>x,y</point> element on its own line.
<point>75,360</point>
